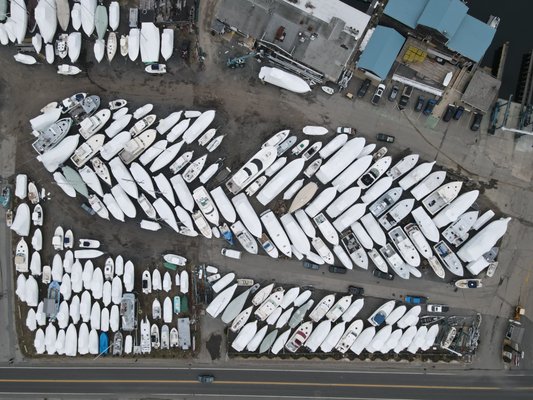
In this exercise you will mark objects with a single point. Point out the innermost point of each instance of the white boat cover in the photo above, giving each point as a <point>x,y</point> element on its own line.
<point>280,181</point>
<point>483,241</point>
<point>224,204</point>
<point>198,126</point>
<point>284,80</point>
<point>88,9</point>
<point>74,309</point>
<point>38,342</point>
<point>22,220</point>
<point>97,284</point>
<point>116,290</point>
<point>75,14</point>
<point>93,346</point>
<point>19,18</point>
<point>247,213</point>
<point>167,43</point>
<point>83,339</point>
<point>45,16</point>
<point>129,276</point>
<point>134,43</point>
<point>183,192</point>
<point>74,46</point>
<point>21,186</point>
<point>340,160</point>
<point>150,42</point>
<point>45,120</point>
<point>114,15</point>
<point>114,318</point>
<point>50,337</point>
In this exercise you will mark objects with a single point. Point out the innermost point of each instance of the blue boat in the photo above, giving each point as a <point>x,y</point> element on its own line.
<point>177,305</point>
<point>51,303</point>
<point>5,196</point>
<point>104,344</point>
<point>226,232</point>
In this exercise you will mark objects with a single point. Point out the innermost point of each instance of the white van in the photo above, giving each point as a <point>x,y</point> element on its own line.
<point>236,254</point>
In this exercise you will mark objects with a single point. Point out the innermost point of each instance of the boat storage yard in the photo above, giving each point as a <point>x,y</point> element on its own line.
<point>307,193</point>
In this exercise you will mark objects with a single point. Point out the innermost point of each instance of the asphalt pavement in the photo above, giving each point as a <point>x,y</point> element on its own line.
<point>257,383</point>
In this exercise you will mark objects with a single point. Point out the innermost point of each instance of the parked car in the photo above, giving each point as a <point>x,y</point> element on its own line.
<point>476,123</point>
<point>430,105</point>
<point>406,95</point>
<point>378,93</point>
<point>236,254</point>
<point>356,291</point>
<point>310,265</point>
<point>393,93</point>
<point>419,103</point>
<point>337,269</point>
<point>383,137</point>
<point>346,129</point>
<point>416,299</point>
<point>448,114</point>
<point>458,113</point>
<point>364,88</point>
<point>437,308</point>
<point>382,275</point>
<point>206,378</point>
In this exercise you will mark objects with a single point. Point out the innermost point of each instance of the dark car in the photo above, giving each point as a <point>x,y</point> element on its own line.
<point>337,269</point>
<point>310,265</point>
<point>476,123</point>
<point>383,137</point>
<point>364,88</point>
<point>458,113</point>
<point>430,105</point>
<point>406,95</point>
<point>382,275</point>
<point>448,114</point>
<point>419,103</point>
<point>206,378</point>
<point>393,93</point>
<point>416,300</point>
<point>356,291</point>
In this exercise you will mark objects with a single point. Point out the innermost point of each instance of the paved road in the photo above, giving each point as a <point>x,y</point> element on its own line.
<point>264,383</point>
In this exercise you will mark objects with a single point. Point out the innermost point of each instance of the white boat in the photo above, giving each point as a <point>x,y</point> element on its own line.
<point>156,68</point>
<point>167,43</point>
<point>376,190</point>
<point>89,126</point>
<point>396,213</point>
<point>396,314</point>
<point>144,110</point>
<point>213,144</point>
<point>245,336</point>
<point>299,337</point>
<point>184,282</point>
<point>304,196</point>
<point>206,205</point>
<point>255,166</point>
<point>113,207</point>
<point>224,204</point>
<point>183,192</point>
<point>247,213</point>
<point>36,40</point>
<point>483,219</point>
<point>123,201</point>
<point>323,251</point>
<point>165,188</point>
<point>355,250</point>
<point>405,247</point>
<point>134,43</point>
<point>175,259</point>
<point>430,183</point>
<point>178,129</point>
<point>199,125</point>
<point>297,150</point>
<point>333,145</point>
<point>386,201</point>
<point>150,42</point>
<point>276,139</point>
<point>405,339</point>
<point>362,236</point>
<point>313,167</point>
<point>26,58</point>
<point>343,202</point>
<point>256,185</point>
<point>168,122</point>
<point>339,308</point>
<point>284,80</point>
<point>295,233</point>
<point>123,177</point>
<point>220,284</point>
<point>348,217</point>
<point>244,237</point>
<point>202,224</point>
<point>137,145</point>
<point>374,172</point>
<point>51,159</point>
<point>142,178</point>
<point>410,318</point>
<point>241,319</point>
<point>392,341</point>
<point>378,341</point>
<point>276,232</point>
<point>19,21</point>
<point>449,258</point>
<point>269,305</point>
<point>262,294</point>
<point>484,240</point>
<point>352,173</point>
<point>395,261</point>
<point>286,145</point>
<point>426,224</point>
<point>207,136</point>
<point>74,46</point>
<point>88,10</point>
<point>455,209</point>
<point>314,130</point>
<point>75,15</point>
<point>99,49</point>
<point>87,150</point>
<point>364,338</point>
<point>340,160</point>
<point>293,189</point>
<point>416,175</point>
<point>419,240</point>
<point>326,228</point>
<point>350,335</point>
<point>457,233</point>
<point>194,169</point>
<point>45,120</point>
<point>37,240</point>
<point>143,124</point>
<point>379,316</point>
<point>166,214</point>
<point>52,136</point>
<point>322,307</point>
<point>403,166</point>
<point>22,220</point>
<point>318,335</point>
<point>87,254</point>
<point>21,256</point>
<point>114,15</point>
<point>343,256</point>
<point>442,196</point>
<point>278,343</point>
<point>280,181</point>
<point>305,223</point>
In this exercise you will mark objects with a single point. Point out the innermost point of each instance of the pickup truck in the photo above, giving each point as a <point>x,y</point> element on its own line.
<point>415,299</point>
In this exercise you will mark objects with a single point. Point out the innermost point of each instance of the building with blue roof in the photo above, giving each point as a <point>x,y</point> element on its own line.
<point>381,52</point>
<point>445,23</point>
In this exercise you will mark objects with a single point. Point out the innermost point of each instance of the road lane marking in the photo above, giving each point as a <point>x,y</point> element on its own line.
<point>256,383</point>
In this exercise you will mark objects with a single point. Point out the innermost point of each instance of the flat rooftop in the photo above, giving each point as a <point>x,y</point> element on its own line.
<point>318,36</point>
<point>482,91</point>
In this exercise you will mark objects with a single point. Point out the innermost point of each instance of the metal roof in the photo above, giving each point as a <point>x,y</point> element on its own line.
<point>472,39</point>
<point>381,51</point>
<point>444,16</point>
<point>406,11</point>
